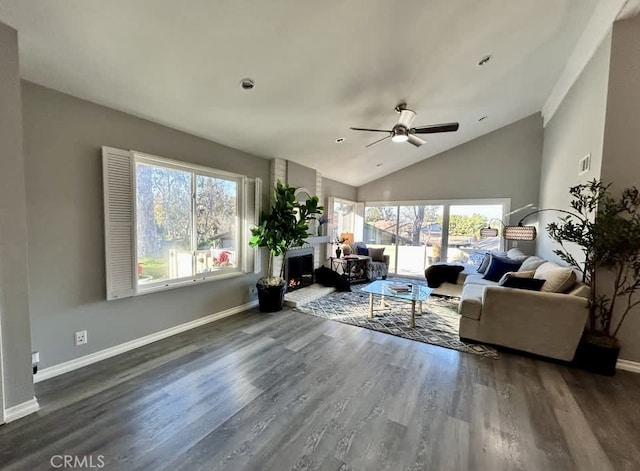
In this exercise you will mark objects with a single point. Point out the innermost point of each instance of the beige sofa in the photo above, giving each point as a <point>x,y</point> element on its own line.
<point>541,322</point>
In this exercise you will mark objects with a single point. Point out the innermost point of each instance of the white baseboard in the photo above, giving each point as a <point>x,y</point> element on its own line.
<point>628,365</point>
<point>86,360</point>
<point>21,410</point>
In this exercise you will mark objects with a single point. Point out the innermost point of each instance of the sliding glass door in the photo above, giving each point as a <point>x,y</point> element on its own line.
<point>381,230</point>
<point>420,238</point>
<point>465,222</point>
<point>416,236</point>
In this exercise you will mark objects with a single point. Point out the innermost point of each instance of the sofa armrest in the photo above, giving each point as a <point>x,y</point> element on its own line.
<point>549,324</point>
<point>387,260</point>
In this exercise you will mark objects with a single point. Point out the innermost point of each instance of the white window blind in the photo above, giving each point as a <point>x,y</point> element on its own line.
<point>117,171</point>
<point>253,194</point>
<point>123,270</point>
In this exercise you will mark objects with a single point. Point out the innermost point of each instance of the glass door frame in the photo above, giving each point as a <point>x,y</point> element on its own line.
<point>446,204</point>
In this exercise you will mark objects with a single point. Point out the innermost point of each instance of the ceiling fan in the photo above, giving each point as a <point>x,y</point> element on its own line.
<point>403,132</point>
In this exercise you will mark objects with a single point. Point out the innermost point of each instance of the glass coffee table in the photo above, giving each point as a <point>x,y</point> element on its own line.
<point>384,288</point>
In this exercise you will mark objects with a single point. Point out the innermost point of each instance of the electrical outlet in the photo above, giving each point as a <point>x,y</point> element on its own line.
<point>35,358</point>
<point>253,290</point>
<point>81,337</point>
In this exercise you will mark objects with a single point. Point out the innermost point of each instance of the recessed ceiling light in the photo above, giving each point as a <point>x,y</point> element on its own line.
<point>247,83</point>
<point>379,164</point>
<point>483,118</point>
<point>339,140</point>
<point>484,60</point>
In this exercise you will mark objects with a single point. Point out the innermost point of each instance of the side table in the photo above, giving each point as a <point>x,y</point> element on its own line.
<point>352,267</point>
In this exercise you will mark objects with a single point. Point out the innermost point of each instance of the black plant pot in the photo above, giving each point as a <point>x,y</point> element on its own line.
<point>270,297</point>
<point>597,355</point>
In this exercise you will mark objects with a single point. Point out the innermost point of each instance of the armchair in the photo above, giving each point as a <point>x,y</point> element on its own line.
<point>376,267</point>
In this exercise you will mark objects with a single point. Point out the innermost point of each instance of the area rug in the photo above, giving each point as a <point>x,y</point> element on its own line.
<point>438,324</point>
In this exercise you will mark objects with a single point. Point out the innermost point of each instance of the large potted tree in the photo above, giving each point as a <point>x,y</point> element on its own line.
<point>606,229</point>
<point>286,225</point>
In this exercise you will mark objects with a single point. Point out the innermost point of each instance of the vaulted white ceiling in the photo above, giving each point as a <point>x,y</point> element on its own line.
<point>319,67</point>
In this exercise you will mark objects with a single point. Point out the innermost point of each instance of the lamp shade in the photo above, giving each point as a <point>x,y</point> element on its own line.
<point>519,232</point>
<point>488,232</point>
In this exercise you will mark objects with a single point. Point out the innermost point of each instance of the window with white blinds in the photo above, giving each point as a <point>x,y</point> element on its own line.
<point>170,223</point>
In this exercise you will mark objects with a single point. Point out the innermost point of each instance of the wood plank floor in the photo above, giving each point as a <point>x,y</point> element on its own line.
<point>290,391</point>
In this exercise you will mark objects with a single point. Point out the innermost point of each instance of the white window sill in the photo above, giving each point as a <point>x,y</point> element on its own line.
<point>172,284</point>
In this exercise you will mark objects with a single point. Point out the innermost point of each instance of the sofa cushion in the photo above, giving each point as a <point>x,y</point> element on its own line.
<point>479,280</point>
<point>516,254</point>
<point>377,255</point>
<point>469,269</point>
<point>511,280</point>
<point>499,266</point>
<point>471,301</point>
<point>531,263</point>
<point>557,279</point>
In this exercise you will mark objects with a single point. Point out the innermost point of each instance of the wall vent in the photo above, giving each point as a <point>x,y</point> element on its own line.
<point>584,164</point>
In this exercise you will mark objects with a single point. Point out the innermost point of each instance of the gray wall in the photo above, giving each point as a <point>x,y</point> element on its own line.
<point>501,164</point>
<point>621,155</point>
<point>300,176</point>
<point>599,115</point>
<point>338,190</point>
<point>14,282</point>
<point>63,136</point>
<point>576,129</point>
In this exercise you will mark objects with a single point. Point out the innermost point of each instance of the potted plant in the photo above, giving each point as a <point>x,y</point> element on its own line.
<point>607,231</point>
<point>285,226</point>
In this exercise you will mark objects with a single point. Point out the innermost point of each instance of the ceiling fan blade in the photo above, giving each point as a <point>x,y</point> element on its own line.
<point>435,128</point>
<point>406,118</point>
<point>415,140</point>
<point>372,130</point>
<point>379,140</point>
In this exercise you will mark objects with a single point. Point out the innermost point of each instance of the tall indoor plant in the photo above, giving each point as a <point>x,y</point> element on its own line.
<point>286,225</point>
<point>606,228</point>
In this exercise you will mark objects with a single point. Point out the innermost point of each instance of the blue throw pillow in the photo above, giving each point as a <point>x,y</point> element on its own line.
<point>362,251</point>
<point>484,264</point>
<point>499,266</point>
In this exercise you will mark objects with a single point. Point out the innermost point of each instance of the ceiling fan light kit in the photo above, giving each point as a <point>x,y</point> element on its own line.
<point>403,132</point>
<point>400,134</point>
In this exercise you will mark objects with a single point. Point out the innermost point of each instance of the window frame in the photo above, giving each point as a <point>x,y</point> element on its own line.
<point>446,204</point>
<point>241,228</point>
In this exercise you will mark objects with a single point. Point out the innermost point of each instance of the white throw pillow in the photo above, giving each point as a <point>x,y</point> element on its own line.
<point>531,263</point>
<point>516,254</point>
<point>557,279</point>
